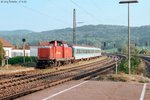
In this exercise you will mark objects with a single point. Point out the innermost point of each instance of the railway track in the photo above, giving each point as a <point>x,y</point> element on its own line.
<point>35,73</point>
<point>13,88</point>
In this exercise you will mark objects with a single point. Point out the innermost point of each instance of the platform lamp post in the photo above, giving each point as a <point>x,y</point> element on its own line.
<point>128,2</point>
<point>24,40</point>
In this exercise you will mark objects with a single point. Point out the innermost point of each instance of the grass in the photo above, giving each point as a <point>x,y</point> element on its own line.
<point>10,67</point>
<point>111,50</point>
<point>121,77</point>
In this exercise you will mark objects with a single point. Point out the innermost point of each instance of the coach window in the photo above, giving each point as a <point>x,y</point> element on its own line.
<point>81,51</point>
<point>84,51</point>
<point>77,51</point>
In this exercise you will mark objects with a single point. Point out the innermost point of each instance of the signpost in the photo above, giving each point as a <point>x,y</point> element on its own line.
<point>116,59</point>
<point>7,58</point>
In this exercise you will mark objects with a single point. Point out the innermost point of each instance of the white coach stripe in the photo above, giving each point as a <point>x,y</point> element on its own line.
<point>64,91</point>
<point>143,92</point>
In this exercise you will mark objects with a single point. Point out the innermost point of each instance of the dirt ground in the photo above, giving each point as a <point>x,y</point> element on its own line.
<point>13,69</point>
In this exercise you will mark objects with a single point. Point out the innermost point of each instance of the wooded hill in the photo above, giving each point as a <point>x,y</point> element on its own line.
<point>88,34</point>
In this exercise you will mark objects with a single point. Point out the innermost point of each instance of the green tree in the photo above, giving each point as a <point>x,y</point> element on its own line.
<point>124,49</point>
<point>2,53</point>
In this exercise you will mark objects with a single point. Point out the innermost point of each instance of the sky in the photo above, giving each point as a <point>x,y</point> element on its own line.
<point>43,15</point>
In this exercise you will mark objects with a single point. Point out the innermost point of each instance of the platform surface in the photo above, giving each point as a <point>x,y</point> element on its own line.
<point>93,90</point>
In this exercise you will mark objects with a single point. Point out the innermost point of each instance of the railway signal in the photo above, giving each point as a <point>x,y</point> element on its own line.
<point>135,44</point>
<point>23,40</point>
<point>104,44</point>
<point>114,45</point>
<point>146,44</point>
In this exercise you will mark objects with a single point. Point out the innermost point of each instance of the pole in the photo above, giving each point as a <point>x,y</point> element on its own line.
<point>24,52</point>
<point>116,68</point>
<point>7,63</point>
<point>74,26</point>
<point>116,59</point>
<point>129,65</point>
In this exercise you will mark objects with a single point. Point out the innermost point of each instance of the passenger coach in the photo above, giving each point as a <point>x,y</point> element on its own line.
<point>83,52</point>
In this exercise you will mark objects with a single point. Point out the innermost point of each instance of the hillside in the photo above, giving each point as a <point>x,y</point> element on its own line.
<point>88,34</point>
<point>15,37</point>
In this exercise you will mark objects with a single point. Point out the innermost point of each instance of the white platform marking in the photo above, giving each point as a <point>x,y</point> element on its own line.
<point>143,92</point>
<point>64,90</point>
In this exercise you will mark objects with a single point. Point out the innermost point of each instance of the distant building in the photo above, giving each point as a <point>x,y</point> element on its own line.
<point>12,51</point>
<point>34,49</point>
<point>7,47</point>
<point>20,52</point>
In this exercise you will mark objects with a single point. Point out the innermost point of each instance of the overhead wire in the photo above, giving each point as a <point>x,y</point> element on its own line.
<point>43,14</point>
<point>85,11</point>
<point>96,6</point>
<point>68,12</point>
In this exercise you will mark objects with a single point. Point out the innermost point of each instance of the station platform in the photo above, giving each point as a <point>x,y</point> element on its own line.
<point>93,90</point>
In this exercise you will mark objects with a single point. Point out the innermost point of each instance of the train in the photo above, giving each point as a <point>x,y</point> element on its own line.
<point>59,53</point>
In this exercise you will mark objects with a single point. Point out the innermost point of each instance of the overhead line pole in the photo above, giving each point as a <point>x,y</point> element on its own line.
<point>74,26</point>
<point>129,55</point>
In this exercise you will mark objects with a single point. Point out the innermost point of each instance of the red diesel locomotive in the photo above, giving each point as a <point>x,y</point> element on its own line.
<point>55,54</point>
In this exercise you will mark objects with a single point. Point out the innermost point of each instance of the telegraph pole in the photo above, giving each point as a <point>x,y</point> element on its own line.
<point>74,26</point>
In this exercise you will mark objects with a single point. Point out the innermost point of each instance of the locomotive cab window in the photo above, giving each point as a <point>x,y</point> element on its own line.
<point>59,44</point>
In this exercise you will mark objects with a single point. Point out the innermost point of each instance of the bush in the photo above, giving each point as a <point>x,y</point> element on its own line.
<point>144,51</point>
<point>30,64</point>
<point>19,60</point>
<point>123,66</point>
